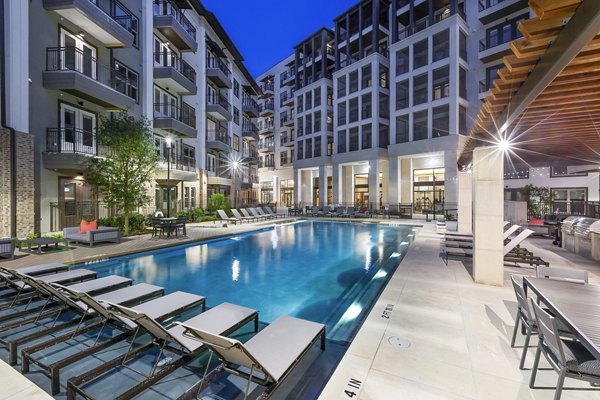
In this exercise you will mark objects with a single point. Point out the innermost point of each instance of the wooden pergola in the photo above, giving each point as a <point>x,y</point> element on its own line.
<point>546,102</point>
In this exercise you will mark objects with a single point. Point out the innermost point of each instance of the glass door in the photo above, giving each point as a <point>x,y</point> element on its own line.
<point>361,190</point>
<point>78,55</point>
<point>78,129</point>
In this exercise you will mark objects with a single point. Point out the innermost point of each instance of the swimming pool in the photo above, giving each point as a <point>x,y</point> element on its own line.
<point>328,272</point>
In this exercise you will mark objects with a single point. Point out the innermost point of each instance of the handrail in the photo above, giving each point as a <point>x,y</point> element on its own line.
<point>218,99</point>
<point>215,62</point>
<point>71,140</point>
<point>170,59</point>
<point>167,7</point>
<point>185,113</point>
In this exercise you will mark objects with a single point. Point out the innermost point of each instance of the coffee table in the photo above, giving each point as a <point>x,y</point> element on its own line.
<point>41,243</point>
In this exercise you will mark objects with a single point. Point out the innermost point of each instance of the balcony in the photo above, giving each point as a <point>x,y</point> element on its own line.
<point>265,127</point>
<point>493,51</point>
<point>266,109</point>
<point>287,140</point>
<point>265,166</point>
<point>106,20</point>
<point>218,107</point>
<point>287,77</point>
<point>492,10</point>
<point>287,98</point>
<point>249,106</point>
<point>173,72</point>
<point>250,155</point>
<point>265,146</point>
<point>268,90</point>
<point>180,121</point>
<point>71,70</point>
<point>68,149</point>
<point>181,168</point>
<point>218,71</point>
<point>439,15</point>
<point>287,120</point>
<point>250,131</point>
<point>171,22</point>
<point>218,140</point>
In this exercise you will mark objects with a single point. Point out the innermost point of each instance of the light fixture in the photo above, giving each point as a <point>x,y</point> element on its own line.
<point>503,145</point>
<point>168,141</point>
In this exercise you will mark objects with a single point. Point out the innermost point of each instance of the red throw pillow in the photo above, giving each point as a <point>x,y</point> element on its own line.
<point>535,221</point>
<point>86,226</point>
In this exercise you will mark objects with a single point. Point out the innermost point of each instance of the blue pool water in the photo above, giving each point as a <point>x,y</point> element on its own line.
<point>328,272</point>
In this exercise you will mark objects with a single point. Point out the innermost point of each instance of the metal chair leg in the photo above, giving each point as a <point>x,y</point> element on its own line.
<point>536,364</point>
<point>560,383</point>
<point>514,335</point>
<point>525,347</point>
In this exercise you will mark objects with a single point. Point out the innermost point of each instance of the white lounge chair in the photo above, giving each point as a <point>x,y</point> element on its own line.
<point>225,218</point>
<point>269,356</point>
<point>245,213</point>
<point>255,212</point>
<point>236,214</point>
<point>222,319</point>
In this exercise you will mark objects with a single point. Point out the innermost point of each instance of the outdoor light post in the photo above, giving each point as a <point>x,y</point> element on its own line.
<point>169,143</point>
<point>234,165</point>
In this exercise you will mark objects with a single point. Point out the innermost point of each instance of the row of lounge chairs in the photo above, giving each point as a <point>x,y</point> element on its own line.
<point>460,245</point>
<point>249,214</point>
<point>339,212</point>
<point>48,310</point>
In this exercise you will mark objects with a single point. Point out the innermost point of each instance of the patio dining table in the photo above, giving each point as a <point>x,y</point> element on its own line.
<point>577,305</point>
<point>168,222</point>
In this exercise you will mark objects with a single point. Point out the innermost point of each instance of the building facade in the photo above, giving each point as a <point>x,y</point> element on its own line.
<point>384,101</point>
<point>169,61</point>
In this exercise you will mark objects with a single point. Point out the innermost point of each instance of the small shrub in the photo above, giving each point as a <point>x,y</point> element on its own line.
<point>218,202</point>
<point>137,223</point>
<point>207,218</point>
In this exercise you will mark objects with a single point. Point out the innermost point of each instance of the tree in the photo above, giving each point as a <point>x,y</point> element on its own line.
<point>121,174</point>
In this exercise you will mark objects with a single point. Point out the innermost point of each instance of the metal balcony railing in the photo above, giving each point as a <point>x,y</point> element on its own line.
<point>73,59</point>
<point>214,62</point>
<point>267,87</point>
<point>267,106</point>
<point>249,101</point>
<point>181,163</point>
<point>484,4</point>
<point>185,113</point>
<point>118,12</point>
<point>71,140</point>
<point>167,7</point>
<point>217,135</point>
<point>170,59</point>
<point>250,128</point>
<point>218,99</point>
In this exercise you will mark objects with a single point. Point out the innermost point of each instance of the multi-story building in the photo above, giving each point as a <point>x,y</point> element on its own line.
<point>169,61</point>
<point>384,101</point>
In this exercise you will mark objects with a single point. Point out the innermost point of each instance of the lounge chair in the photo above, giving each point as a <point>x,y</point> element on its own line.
<point>562,274</point>
<point>7,248</point>
<point>160,309</point>
<point>270,212</point>
<point>246,214</point>
<point>255,213</point>
<point>34,330</point>
<point>263,214</point>
<point>222,319</point>
<point>35,270</point>
<point>225,218</point>
<point>340,211</point>
<point>236,214</point>
<point>269,356</point>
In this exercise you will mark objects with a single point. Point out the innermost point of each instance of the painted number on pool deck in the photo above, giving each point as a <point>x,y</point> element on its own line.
<point>387,311</point>
<point>352,388</point>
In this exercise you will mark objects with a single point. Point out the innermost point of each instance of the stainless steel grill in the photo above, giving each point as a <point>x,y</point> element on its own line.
<point>568,225</point>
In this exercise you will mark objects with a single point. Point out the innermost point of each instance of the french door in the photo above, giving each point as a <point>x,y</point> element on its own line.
<point>78,55</point>
<point>78,128</point>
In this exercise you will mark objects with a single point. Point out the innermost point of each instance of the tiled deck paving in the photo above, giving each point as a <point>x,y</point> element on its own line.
<point>459,331</point>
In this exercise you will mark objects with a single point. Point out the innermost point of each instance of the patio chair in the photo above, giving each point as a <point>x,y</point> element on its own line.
<point>569,358</point>
<point>179,224</point>
<point>236,214</point>
<point>223,319</point>
<point>270,212</point>
<point>340,211</point>
<point>225,218</point>
<point>246,214</point>
<point>158,227</point>
<point>350,212</point>
<point>269,356</point>
<point>255,213</point>
<point>7,248</point>
<point>507,233</point>
<point>563,274</point>
<point>263,214</point>
<point>34,270</point>
<point>160,309</point>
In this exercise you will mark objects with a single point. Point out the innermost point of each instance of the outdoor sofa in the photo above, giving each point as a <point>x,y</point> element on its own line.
<point>7,248</point>
<point>102,234</point>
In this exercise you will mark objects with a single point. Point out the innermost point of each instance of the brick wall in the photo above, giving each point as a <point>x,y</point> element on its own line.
<point>25,183</point>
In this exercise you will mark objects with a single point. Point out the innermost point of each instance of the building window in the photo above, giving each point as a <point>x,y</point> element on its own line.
<point>462,45</point>
<point>308,148</point>
<point>308,126</point>
<point>504,32</point>
<point>353,139</point>
<point>317,97</point>
<point>383,76</point>
<point>341,144</point>
<point>401,95</point>
<point>420,50</point>
<point>441,121</point>
<point>317,121</point>
<point>462,83</point>
<point>307,101</point>
<point>420,125</point>
<point>367,133</point>
<point>317,146</point>
<point>236,115</point>
<point>491,74</point>
<point>299,104</point>
<point>341,86</point>
<point>562,171</point>
<point>441,83</point>
<point>283,158</point>
<point>441,45</point>
<point>300,150</point>
<point>329,96</point>
<point>420,89</point>
<point>211,163</point>
<point>402,129</point>
<point>384,105</point>
<point>402,61</point>
<point>127,82</point>
<point>353,110</point>
<point>353,84</point>
<point>236,143</point>
<point>384,136</point>
<point>366,106</point>
<point>342,113</point>
<point>462,120</point>
<point>236,88</point>
<point>366,77</point>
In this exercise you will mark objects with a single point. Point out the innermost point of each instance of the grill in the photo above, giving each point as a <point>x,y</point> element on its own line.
<point>568,232</point>
<point>595,234</point>
<point>582,229</point>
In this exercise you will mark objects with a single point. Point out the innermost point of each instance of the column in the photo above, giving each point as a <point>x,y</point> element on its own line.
<point>322,185</point>
<point>374,183</point>
<point>307,187</point>
<point>488,216</point>
<point>450,179</point>
<point>297,187</point>
<point>465,202</point>
<point>406,180</point>
<point>393,181</point>
<point>337,183</point>
<point>348,185</point>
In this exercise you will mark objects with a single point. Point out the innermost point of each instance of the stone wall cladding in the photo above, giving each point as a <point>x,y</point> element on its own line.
<point>25,183</point>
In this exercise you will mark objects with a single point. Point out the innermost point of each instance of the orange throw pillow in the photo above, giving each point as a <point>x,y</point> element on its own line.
<point>86,226</point>
<point>535,221</point>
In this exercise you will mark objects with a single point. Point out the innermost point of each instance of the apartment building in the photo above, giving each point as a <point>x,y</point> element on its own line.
<point>396,85</point>
<point>169,61</point>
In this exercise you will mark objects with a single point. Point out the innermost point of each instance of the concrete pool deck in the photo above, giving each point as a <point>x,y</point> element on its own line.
<point>459,331</point>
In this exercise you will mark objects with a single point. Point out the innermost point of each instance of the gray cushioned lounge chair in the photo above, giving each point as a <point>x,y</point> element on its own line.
<point>236,214</point>
<point>225,218</point>
<point>7,248</point>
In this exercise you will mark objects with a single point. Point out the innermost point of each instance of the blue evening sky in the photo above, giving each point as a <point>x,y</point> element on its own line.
<point>266,31</point>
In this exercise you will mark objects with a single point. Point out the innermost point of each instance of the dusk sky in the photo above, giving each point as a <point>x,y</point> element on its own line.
<point>266,31</point>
